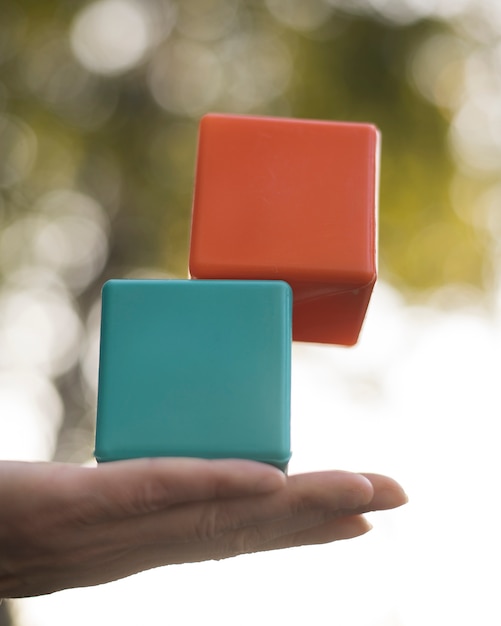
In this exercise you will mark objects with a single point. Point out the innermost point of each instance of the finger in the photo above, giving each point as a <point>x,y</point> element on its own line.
<point>388,494</point>
<point>305,500</point>
<point>323,527</point>
<point>334,490</point>
<point>142,486</point>
<point>307,529</point>
<point>311,520</point>
<point>337,529</point>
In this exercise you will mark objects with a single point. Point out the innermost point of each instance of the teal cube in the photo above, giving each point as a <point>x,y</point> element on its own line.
<point>195,368</point>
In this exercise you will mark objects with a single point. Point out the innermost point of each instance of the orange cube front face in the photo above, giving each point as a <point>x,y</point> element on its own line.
<point>291,200</point>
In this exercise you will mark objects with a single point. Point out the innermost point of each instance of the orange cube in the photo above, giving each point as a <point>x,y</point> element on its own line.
<point>291,200</point>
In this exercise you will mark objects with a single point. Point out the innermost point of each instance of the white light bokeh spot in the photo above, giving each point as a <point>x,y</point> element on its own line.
<point>111,36</point>
<point>303,16</point>
<point>186,77</point>
<point>30,414</point>
<point>258,67</point>
<point>74,240</point>
<point>475,137</point>
<point>66,233</point>
<point>39,329</point>
<point>15,242</point>
<point>437,70</point>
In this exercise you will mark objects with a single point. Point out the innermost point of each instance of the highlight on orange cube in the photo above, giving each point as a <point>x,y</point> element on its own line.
<point>293,200</point>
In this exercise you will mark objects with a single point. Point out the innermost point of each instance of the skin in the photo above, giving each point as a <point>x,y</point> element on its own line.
<point>65,526</point>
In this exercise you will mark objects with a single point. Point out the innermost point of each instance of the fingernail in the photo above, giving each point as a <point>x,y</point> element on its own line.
<point>354,498</point>
<point>392,498</point>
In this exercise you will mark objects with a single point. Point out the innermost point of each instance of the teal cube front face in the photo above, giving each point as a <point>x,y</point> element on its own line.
<point>197,368</point>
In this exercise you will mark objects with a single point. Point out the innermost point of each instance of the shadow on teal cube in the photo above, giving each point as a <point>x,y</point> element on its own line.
<point>195,368</point>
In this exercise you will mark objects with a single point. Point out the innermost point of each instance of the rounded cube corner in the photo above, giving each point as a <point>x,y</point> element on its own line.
<point>110,286</point>
<point>286,288</point>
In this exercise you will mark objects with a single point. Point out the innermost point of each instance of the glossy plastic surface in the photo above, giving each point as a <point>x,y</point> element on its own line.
<point>195,368</point>
<point>293,200</point>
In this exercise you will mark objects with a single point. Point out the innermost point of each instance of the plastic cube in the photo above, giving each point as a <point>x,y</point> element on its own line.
<point>195,368</point>
<point>293,200</point>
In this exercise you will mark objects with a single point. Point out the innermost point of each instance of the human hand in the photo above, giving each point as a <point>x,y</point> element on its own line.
<point>65,526</point>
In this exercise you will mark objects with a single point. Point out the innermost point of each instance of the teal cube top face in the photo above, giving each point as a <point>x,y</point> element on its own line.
<point>197,368</point>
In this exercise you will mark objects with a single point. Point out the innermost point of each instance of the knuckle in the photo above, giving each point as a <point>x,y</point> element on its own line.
<point>247,541</point>
<point>149,499</point>
<point>212,522</point>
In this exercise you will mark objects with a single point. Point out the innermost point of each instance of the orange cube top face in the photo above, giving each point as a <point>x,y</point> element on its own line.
<point>287,199</point>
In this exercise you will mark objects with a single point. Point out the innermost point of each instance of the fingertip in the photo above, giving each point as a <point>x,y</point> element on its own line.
<point>388,493</point>
<point>354,526</point>
<point>348,527</point>
<point>368,526</point>
<point>359,493</point>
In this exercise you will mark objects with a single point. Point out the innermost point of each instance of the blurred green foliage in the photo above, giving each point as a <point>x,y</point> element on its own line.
<point>107,136</point>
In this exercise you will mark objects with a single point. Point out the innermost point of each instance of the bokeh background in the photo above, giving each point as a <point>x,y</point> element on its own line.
<point>99,109</point>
